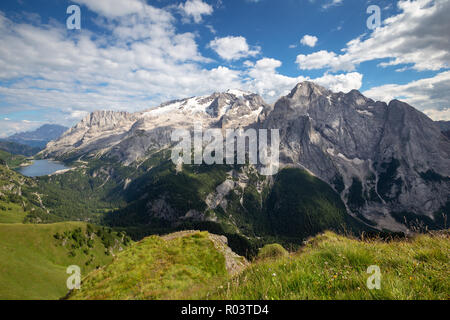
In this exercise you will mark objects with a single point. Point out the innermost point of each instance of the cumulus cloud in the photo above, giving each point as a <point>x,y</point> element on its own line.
<point>437,115</point>
<point>309,41</point>
<point>431,95</point>
<point>233,48</point>
<point>195,10</point>
<point>418,35</point>
<point>341,82</point>
<point>268,82</point>
<point>144,62</point>
<point>113,8</point>
<point>323,59</point>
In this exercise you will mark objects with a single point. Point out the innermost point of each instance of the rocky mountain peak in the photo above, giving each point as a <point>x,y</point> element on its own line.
<point>104,118</point>
<point>239,93</point>
<point>354,97</point>
<point>307,89</point>
<point>215,106</point>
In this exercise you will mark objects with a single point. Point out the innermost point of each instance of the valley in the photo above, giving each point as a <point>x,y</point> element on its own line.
<point>228,155</point>
<point>334,177</point>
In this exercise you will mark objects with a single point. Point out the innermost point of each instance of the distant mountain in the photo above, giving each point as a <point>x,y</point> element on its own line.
<point>39,137</point>
<point>444,125</point>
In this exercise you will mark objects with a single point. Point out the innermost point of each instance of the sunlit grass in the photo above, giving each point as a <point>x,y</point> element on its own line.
<point>154,268</point>
<point>33,263</point>
<point>329,266</point>
<point>334,267</point>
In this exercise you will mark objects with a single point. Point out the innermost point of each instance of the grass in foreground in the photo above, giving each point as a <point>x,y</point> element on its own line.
<point>334,267</point>
<point>155,268</point>
<point>329,266</point>
<point>33,263</point>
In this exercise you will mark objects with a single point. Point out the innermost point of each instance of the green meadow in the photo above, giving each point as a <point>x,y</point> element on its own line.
<point>328,266</point>
<point>33,262</point>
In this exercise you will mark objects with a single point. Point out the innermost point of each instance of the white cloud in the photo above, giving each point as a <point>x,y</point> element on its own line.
<point>332,4</point>
<point>318,60</point>
<point>211,29</point>
<point>418,35</point>
<point>113,8</point>
<point>266,81</point>
<point>341,82</point>
<point>438,115</point>
<point>233,48</point>
<point>143,63</point>
<point>195,10</point>
<point>146,61</point>
<point>309,41</point>
<point>77,114</point>
<point>430,95</point>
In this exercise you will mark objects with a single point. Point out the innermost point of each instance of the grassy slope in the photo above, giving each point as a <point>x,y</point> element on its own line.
<point>328,267</point>
<point>19,201</point>
<point>12,187</point>
<point>158,269</point>
<point>13,161</point>
<point>11,212</point>
<point>33,264</point>
<point>334,267</point>
<point>17,148</point>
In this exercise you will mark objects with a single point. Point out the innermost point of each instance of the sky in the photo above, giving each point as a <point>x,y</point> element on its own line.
<point>132,55</point>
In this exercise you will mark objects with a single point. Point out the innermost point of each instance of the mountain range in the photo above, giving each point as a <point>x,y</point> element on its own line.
<point>347,161</point>
<point>38,138</point>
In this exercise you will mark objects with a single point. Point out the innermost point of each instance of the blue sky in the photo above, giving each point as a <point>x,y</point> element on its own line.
<point>132,55</point>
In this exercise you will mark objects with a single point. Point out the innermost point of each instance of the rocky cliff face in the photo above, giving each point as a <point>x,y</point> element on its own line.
<point>130,137</point>
<point>382,158</point>
<point>445,128</point>
<point>385,160</point>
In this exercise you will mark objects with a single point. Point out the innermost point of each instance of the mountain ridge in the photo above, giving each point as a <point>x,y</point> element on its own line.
<point>385,160</point>
<point>38,138</point>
